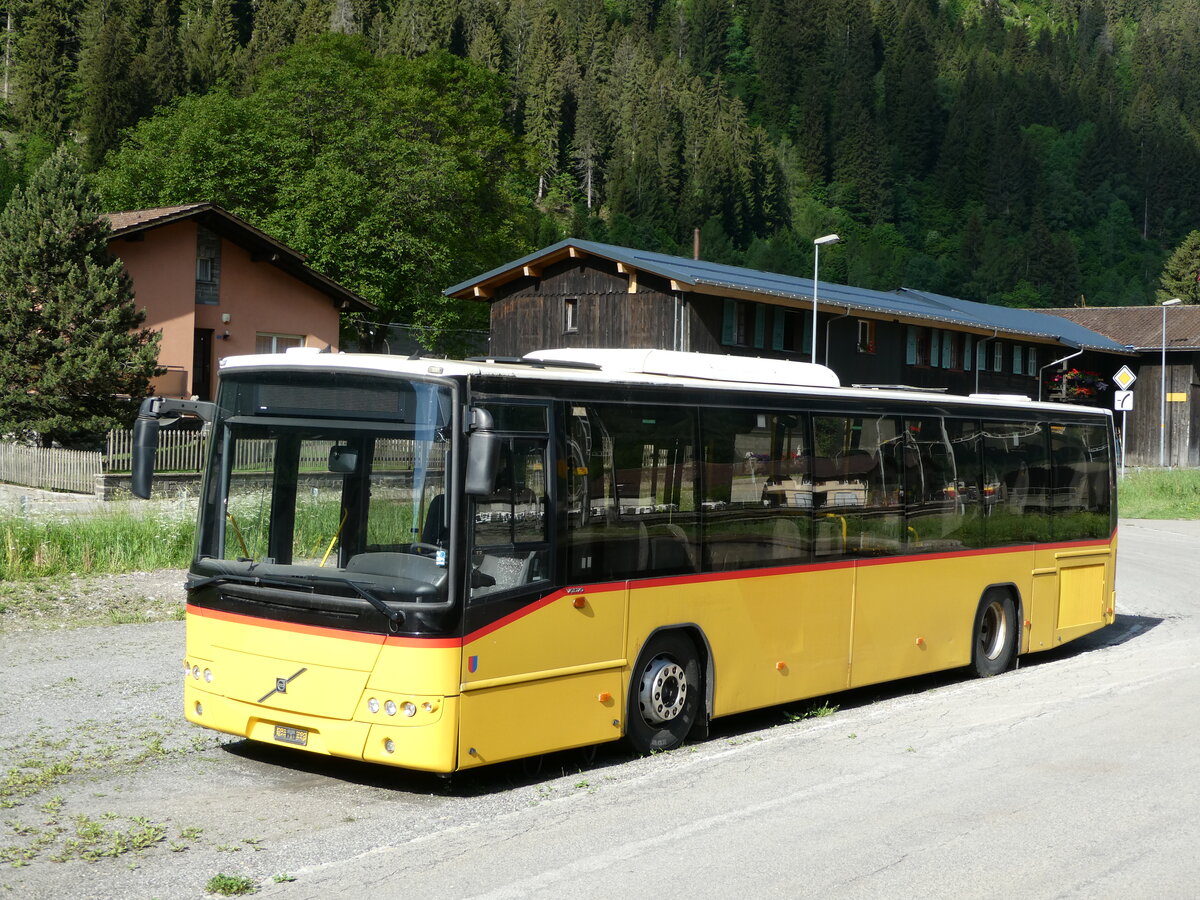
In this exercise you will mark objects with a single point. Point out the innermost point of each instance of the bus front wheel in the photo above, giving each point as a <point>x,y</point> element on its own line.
<point>664,694</point>
<point>996,634</point>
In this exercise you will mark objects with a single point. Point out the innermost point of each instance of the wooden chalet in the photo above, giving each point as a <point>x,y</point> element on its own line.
<point>585,294</point>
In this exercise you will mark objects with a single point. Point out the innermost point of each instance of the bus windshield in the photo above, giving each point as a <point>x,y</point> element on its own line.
<point>337,484</point>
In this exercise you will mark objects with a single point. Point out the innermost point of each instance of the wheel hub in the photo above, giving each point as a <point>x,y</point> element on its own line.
<point>993,630</point>
<point>663,691</point>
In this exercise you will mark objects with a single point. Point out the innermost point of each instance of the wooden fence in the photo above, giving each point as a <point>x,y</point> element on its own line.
<point>50,469</point>
<point>178,452</point>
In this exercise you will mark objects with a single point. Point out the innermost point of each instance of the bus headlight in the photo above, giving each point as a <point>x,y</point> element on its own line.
<point>373,705</point>
<point>410,708</point>
<point>390,707</point>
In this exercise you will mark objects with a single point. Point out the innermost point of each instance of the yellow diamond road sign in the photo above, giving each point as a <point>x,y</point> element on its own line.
<point>1124,378</point>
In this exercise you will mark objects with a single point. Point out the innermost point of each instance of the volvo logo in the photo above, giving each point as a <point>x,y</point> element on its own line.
<point>281,685</point>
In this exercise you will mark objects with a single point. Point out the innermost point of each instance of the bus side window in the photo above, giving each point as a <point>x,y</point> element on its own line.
<point>631,509</point>
<point>510,539</point>
<point>1017,468</point>
<point>1081,492</point>
<point>757,490</point>
<point>941,490</point>
<point>857,491</point>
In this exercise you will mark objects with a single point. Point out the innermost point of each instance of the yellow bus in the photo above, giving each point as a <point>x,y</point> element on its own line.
<point>441,565</point>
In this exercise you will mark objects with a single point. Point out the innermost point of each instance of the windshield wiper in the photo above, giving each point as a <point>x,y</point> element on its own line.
<point>394,615</point>
<point>255,580</point>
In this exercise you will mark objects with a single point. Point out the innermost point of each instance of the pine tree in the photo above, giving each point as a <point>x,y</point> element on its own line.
<point>44,67</point>
<point>159,66</point>
<point>73,359</point>
<point>108,42</point>
<point>1181,273</point>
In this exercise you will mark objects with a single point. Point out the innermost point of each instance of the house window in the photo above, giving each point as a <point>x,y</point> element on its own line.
<point>998,357</point>
<point>570,313</point>
<point>1031,361</point>
<point>791,332</point>
<point>208,266</point>
<point>743,324</point>
<point>866,336</point>
<point>922,346</point>
<point>959,351</point>
<point>1018,360</point>
<point>276,343</point>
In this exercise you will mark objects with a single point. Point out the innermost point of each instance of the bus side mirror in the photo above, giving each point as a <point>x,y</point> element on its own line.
<point>483,456</point>
<point>145,445</point>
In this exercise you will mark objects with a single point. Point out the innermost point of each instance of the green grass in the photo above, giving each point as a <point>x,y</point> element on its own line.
<point>230,885</point>
<point>116,541</point>
<point>1160,494</point>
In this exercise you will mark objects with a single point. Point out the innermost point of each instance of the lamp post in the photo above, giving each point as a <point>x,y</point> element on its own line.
<point>820,242</point>
<point>1162,387</point>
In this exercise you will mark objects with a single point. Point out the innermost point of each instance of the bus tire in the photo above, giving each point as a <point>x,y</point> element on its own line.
<point>995,634</point>
<point>665,693</point>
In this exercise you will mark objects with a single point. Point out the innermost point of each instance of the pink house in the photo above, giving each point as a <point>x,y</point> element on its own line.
<point>216,286</point>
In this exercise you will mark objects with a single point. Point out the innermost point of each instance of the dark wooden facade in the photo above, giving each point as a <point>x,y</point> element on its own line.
<point>589,301</point>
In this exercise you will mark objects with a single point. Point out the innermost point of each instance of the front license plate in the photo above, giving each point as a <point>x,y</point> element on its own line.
<point>289,735</point>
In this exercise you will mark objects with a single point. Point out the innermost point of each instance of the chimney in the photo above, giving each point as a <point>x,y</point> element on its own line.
<point>695,243</point>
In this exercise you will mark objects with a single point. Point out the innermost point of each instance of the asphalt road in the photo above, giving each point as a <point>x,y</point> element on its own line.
<point>1070,777</point>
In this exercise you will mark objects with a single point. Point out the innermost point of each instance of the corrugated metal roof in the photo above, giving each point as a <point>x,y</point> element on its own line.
<point>906,303</point>
<point>1139,327</point>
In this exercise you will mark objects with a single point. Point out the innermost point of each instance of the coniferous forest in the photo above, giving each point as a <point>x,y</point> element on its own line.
<point>1039,153</point>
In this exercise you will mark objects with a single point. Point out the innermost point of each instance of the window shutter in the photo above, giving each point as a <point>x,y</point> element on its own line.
<point>968,342</point>
<point>760,324</point>
<point>729,322</point>
<point>910,355</point>
<point>1017,368</point>
<point>935,347</point>
<point>947,348</point>
<point>1031,361</point>
<point>981,356</point>
<point>777,325</point>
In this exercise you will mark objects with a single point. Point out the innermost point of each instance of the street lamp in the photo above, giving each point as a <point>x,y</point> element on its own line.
<point>818,243</point>
<point>1162,387</point>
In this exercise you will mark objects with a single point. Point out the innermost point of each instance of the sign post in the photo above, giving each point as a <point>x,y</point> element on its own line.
<point>1123,401</point>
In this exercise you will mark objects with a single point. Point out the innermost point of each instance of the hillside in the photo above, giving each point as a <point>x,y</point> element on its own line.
<point>1032,154</point>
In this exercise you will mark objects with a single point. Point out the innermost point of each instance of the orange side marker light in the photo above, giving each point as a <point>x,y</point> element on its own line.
<point>580,602</point>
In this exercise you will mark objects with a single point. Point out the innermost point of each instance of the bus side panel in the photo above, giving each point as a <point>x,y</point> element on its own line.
<point>916,616</point>
<point>774,638</point>
<point>548,677</point>
<point>1074,595</point>
<point>531,717</point>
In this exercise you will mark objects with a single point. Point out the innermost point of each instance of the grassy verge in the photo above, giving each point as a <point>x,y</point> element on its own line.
<point>117,541</point>
<point>1160,494</point>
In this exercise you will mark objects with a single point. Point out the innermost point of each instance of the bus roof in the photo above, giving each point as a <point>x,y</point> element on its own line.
<point>661,368</point>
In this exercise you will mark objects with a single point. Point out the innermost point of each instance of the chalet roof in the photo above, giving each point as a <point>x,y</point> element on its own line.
<point>130,224</point>
<point>1139,327</point>
<point>904,305</point>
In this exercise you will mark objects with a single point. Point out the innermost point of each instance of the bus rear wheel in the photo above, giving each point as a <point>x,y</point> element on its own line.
<point>995,642</point>
<point>664,694</point>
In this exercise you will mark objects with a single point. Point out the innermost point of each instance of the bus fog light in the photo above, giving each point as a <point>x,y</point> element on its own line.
<point>208,675</point>
<point>410,709</point>
<point>196,672</point>
<point>389,745</point>
<point>373,705</point>
<point>390,707</point>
